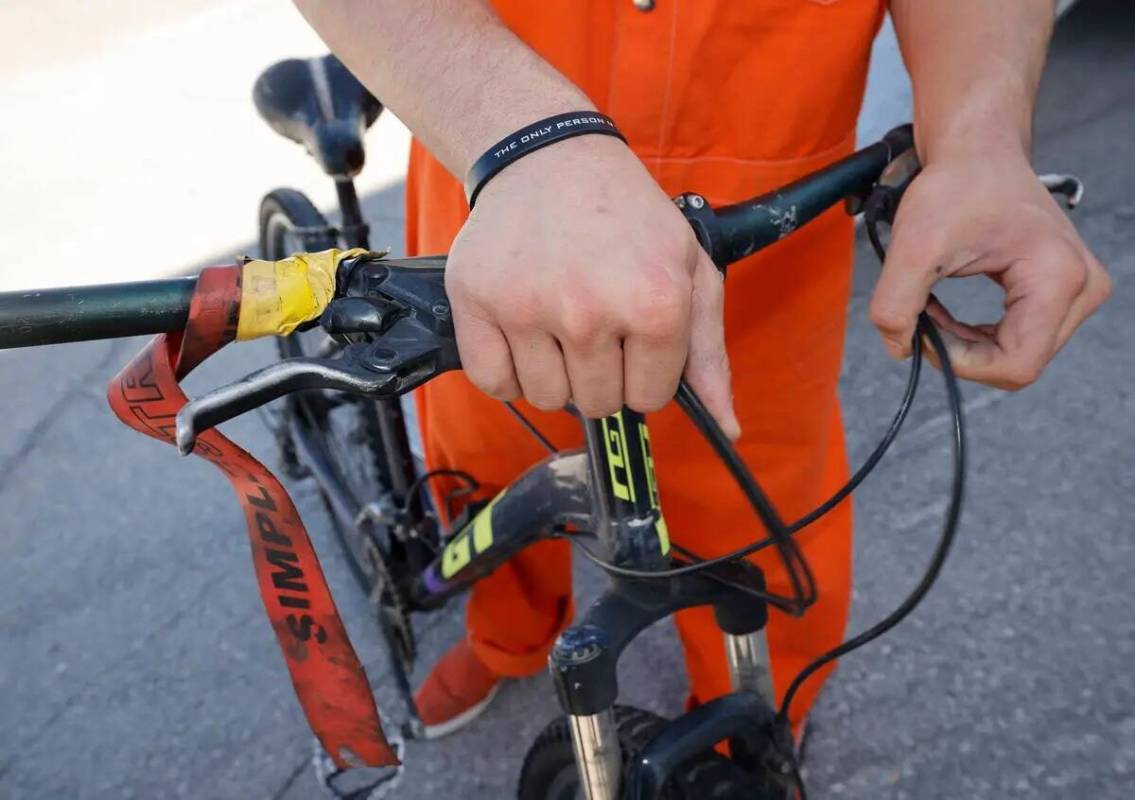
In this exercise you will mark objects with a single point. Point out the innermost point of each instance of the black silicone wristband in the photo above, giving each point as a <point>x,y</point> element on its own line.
<point>532,137</point>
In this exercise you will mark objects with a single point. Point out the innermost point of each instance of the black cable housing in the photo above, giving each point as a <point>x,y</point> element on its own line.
<point>949,528</point>
<point>703,564</point>
<point>880,207</point>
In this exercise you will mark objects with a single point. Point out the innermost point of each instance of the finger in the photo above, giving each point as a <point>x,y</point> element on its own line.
<point>955,335</point>
<point>540,370</point>
<point>651,369</point>
<point>707,367</point>
<point>946,322</point>
<point>655,350</point>
<point>902,291</point>
<point>485,355</point>
<point>1025,339</point>
<point>595,375</point>
<point>1097,288</point>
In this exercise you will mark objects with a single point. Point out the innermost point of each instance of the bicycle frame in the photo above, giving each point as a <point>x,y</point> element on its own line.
<point>609,489</point>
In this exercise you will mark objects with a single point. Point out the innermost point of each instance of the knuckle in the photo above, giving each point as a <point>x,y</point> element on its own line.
<point>1102,289</point>
<point>887,319</point>
<point>646,402</point>
<point>496,384</point>
<point>581,323</point>
<point>660,308</point>
<point>682,245</point>
<point>598,408</point>
<point>547,400</point>
<point>1079,279</point>
<point>1020,376</point>
<point>522,312</point>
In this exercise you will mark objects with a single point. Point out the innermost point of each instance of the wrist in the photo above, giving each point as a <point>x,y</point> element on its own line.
<point>506,115</point>
<point>542,134</point>
<point>995,122</point>
<point>583,159</point>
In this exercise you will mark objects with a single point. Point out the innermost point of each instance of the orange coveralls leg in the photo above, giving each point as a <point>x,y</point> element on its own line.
<point>727,99</point>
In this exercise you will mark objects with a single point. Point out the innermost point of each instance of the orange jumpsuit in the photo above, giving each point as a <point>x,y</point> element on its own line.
<point>727,98</point>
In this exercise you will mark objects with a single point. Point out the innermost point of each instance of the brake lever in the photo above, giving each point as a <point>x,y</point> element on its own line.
<point>348,373</point>
<point>1071,187</point>
<point>401,304</point>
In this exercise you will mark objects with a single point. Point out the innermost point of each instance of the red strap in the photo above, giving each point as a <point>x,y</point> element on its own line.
<point>329,681</point>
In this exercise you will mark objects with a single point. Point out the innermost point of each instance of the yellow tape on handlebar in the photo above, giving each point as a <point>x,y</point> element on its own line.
<point>276,296</point>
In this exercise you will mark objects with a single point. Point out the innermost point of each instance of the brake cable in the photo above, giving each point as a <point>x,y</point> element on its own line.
<point>949,529</point>
<point>841,494</point>
<point>882,205</point>
<point>879,206</point>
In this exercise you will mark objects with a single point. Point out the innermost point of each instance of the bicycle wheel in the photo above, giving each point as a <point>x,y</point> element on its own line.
<point>344,427</point>
<point>549,771</point>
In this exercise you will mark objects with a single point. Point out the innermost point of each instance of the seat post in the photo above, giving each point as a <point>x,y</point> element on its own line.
<point>356,233</point>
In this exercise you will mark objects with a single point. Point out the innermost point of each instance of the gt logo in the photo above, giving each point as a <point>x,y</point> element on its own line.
<point>617,461</point>
<point>476,537</point>
<point>648,460</point>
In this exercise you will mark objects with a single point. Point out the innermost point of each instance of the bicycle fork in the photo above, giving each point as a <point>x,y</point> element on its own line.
<point>595,737</point>
<point>583,661</point>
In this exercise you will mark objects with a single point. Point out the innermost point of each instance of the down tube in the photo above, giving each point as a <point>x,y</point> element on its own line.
<point>553,492</point>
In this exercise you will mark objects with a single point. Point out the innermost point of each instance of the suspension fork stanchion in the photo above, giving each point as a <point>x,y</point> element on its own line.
<point>749,668</point>
<point>746,649</point>
<point>598,756</point>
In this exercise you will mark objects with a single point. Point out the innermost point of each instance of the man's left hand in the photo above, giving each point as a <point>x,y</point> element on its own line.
<point>988,215</point>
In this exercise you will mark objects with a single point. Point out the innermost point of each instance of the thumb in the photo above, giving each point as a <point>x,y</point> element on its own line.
<point>707,368</point>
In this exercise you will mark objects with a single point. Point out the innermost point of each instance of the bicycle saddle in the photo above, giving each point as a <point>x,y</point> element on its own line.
<point>318,103</point>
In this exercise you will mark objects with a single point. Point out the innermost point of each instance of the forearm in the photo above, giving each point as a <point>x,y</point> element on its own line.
<point>449,69</point>
<point>975,66</point>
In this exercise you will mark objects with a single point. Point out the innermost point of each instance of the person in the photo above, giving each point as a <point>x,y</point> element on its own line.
<point>576,279</point>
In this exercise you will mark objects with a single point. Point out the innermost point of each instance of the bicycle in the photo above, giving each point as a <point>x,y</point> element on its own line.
<point>356,448</point>
<point>389,330</point>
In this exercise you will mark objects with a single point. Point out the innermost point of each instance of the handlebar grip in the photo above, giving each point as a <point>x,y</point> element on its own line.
<point>276,297</point>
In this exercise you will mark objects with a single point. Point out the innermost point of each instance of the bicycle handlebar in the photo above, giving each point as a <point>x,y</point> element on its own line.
<point>730,233</point>
<point>54,316</point>
<point>81,313</point>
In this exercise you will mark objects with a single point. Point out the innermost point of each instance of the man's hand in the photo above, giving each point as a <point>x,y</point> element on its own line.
<point>575,278</point>
<point>977,207</point>
<point>969,215</point>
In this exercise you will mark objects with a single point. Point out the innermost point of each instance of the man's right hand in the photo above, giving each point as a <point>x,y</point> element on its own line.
<point>575,278</point>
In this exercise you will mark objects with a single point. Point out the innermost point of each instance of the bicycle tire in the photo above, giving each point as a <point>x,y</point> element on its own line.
<point>346,428</point>
<point>549,771</point>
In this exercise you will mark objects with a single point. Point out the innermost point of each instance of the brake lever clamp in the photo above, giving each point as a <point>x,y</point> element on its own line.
<point>397,308</point>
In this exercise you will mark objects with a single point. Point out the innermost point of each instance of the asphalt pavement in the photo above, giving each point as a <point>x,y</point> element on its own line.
<point>135,660</point>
